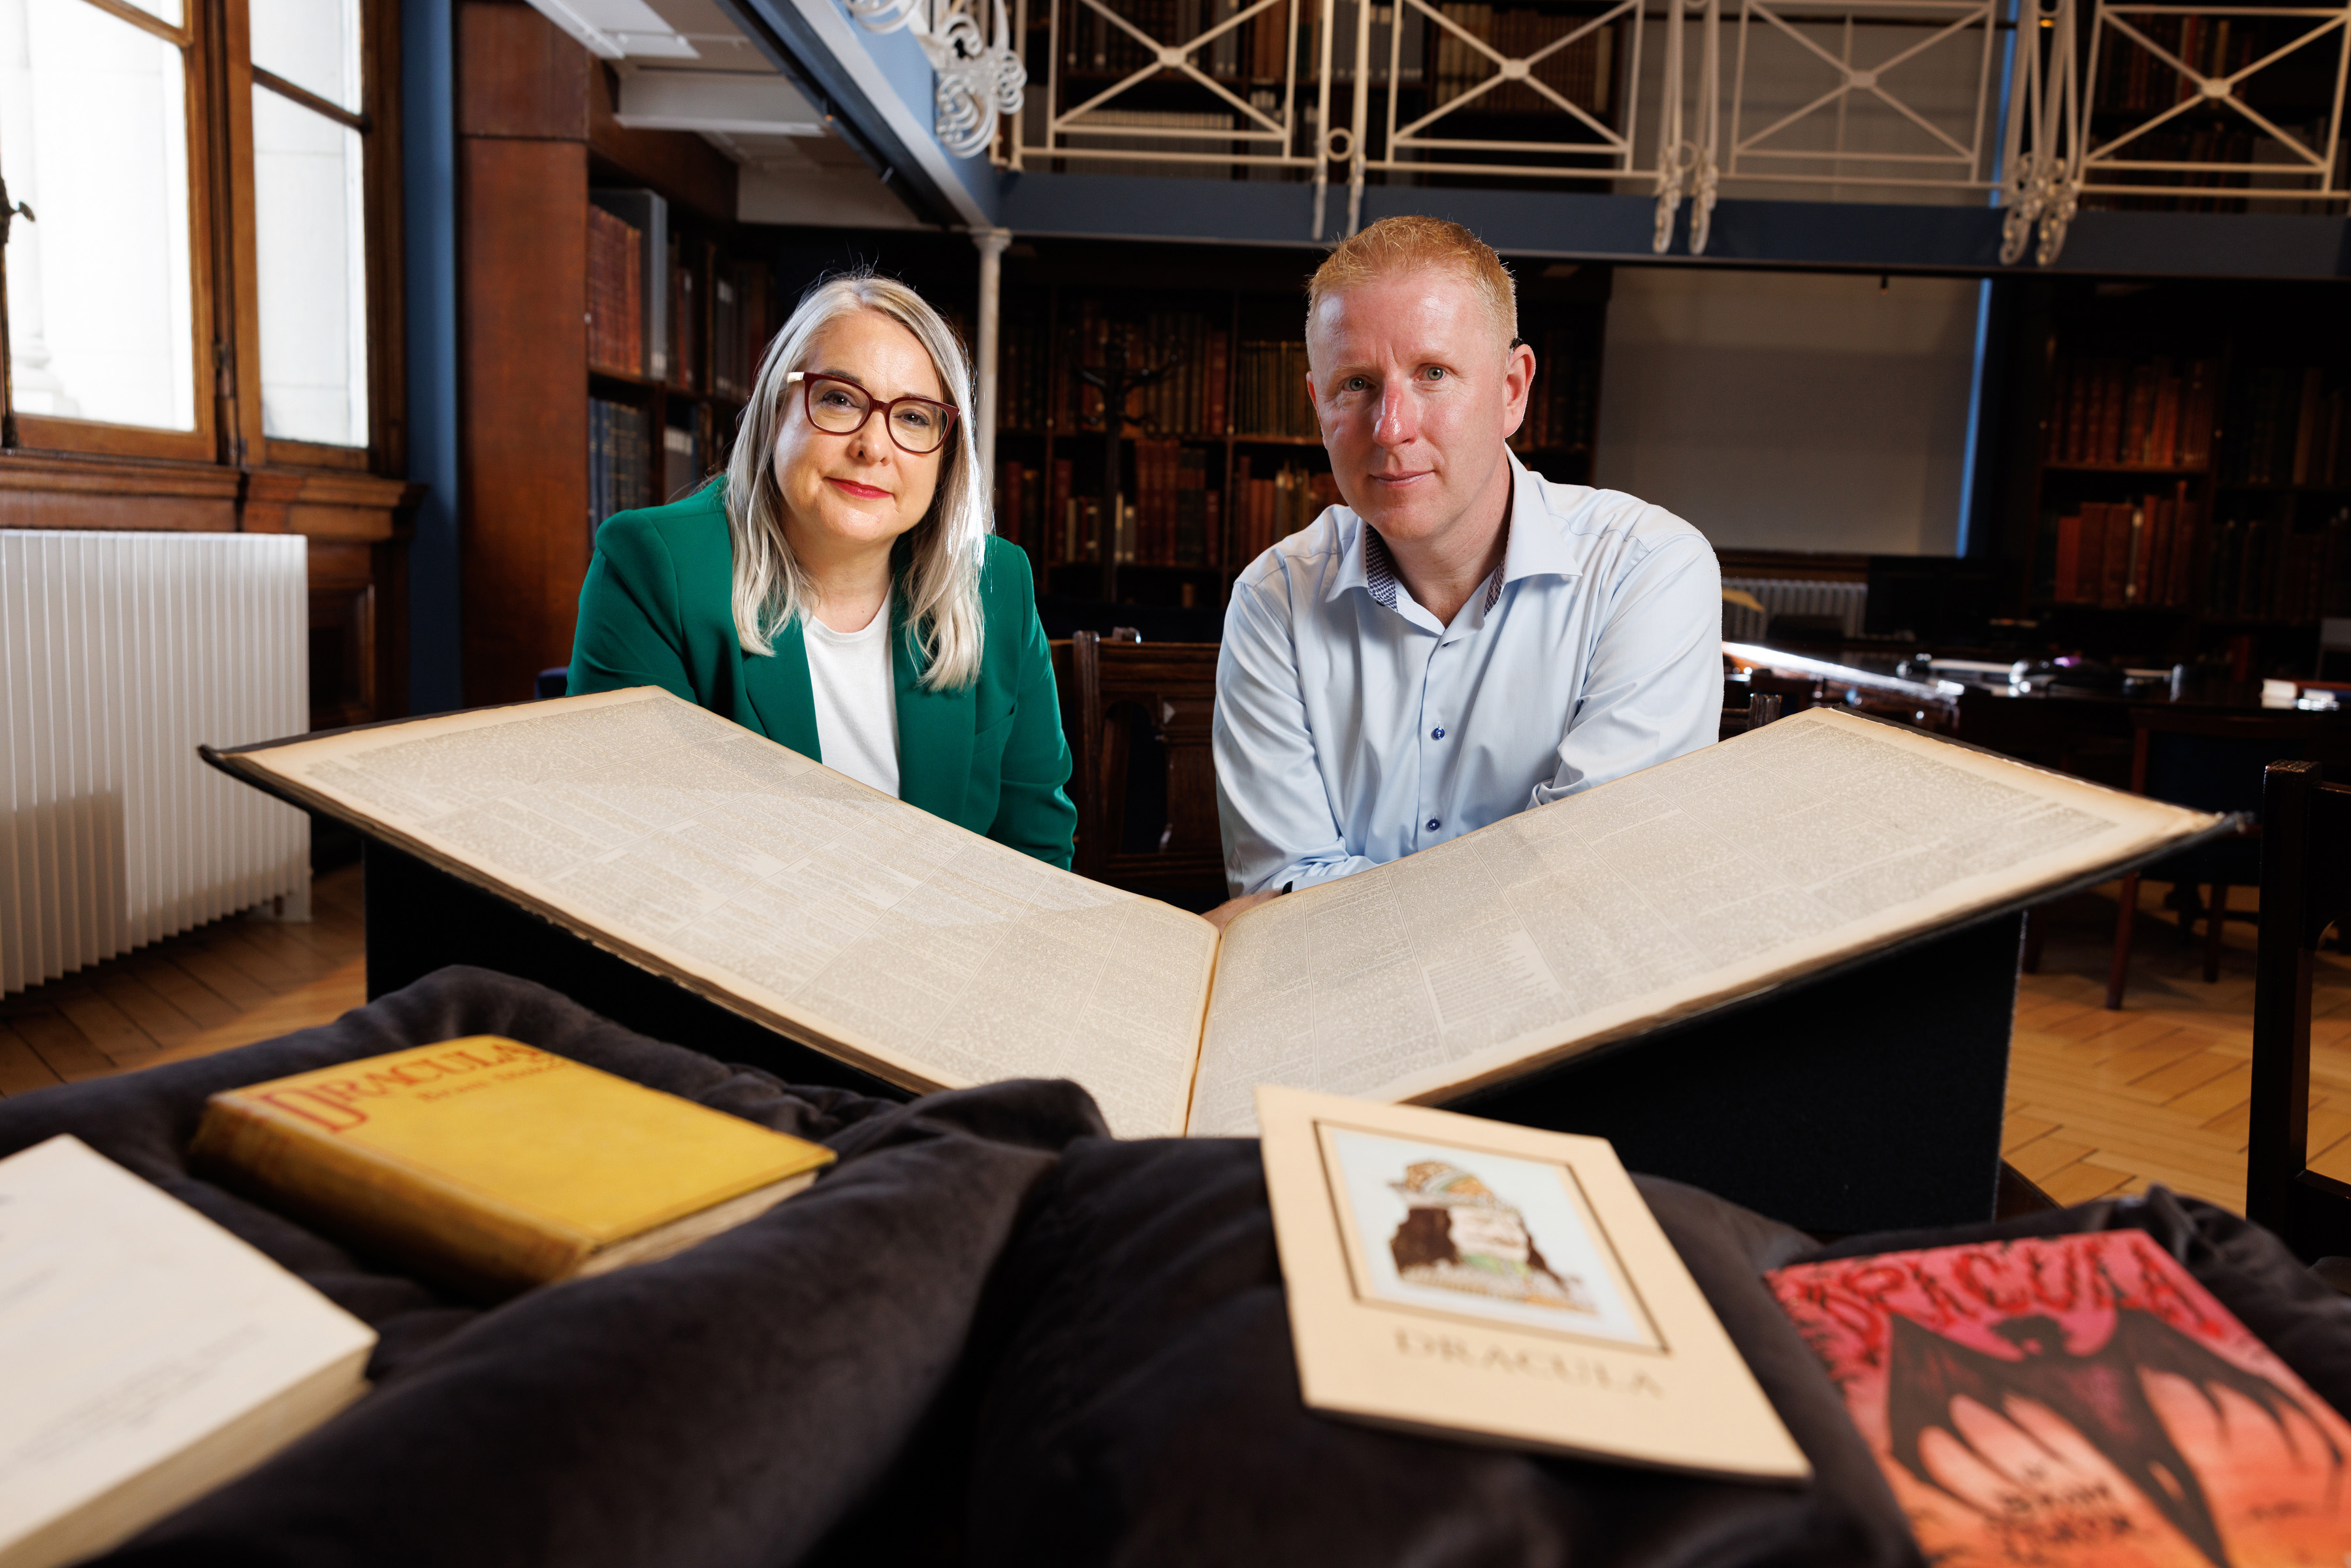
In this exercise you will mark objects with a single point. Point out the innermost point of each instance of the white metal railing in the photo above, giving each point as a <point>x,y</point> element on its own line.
<point>1949,144</point>
<point>2305,170</point>
<point>2011,101</point>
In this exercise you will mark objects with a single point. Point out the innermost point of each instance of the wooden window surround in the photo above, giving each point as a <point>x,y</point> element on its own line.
<point>226,474</point>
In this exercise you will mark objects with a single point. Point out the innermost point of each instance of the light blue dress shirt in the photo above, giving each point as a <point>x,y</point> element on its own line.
<point>1353,729</point>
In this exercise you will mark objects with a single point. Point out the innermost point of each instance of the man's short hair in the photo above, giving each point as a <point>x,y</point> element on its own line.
<point>1410,242</point>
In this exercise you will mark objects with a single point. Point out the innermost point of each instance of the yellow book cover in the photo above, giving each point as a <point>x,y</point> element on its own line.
<point>497,1166</point>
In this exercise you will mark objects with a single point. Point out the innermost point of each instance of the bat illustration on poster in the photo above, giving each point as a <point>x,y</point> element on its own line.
<point>2076,1401</point>
<point>2101,1394</point>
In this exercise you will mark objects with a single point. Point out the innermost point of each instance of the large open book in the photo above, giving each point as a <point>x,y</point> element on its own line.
<point>933,957</point>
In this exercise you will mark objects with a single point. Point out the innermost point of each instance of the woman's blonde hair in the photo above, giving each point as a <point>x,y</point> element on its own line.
<point>771,589</point>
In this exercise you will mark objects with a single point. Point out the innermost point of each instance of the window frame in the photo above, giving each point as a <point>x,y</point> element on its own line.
<point>215,41</point>
<point>52,432</point>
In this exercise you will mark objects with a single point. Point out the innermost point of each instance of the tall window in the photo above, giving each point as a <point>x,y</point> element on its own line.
<point>183,280</point>
<point>94,133</point>
<point>309,220</point>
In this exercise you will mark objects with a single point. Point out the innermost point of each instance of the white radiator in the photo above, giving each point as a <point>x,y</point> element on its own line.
<point>1791,596</point>
<point>118,654</point>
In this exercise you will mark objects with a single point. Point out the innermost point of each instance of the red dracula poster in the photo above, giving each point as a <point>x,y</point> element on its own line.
<point>2077,1400</point>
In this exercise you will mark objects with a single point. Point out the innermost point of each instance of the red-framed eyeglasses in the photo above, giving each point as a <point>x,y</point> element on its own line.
<point>840,407</point>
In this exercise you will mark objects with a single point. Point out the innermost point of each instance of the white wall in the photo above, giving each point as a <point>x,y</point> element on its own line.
<point>1789,410</point>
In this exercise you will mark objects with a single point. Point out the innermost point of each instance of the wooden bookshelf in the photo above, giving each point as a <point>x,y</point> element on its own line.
<point>1236,354</point>
<point>537,140</point>
<point>2211,422</point>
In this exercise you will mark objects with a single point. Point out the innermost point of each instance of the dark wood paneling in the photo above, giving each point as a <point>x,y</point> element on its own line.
<point>523,274</point>
<point>518,75</point>
<point>343,616</point>
<point>690,170</point>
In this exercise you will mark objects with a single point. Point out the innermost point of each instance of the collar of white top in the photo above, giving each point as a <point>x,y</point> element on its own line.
<point>880,618</point>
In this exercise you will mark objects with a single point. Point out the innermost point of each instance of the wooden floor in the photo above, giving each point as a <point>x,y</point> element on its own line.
<point>229,983</point>
<point>2098,1101</point>
<point>2104,1102</point>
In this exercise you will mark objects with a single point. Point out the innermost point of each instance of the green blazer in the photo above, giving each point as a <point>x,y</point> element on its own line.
<point>658,611</point>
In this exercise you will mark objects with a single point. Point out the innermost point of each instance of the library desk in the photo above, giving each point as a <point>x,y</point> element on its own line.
<point>2089,734</point>
<point>1866,1097</point>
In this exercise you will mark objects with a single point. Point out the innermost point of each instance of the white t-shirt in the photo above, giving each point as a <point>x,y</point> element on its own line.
<point>856,699</point>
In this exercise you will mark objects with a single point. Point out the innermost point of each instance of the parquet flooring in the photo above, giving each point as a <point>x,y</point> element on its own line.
<point>229,983</point>
<point>2104,1102</point>
<point>2098,1101</point>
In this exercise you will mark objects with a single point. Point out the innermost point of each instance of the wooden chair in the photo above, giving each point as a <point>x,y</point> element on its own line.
<point>1145,780</point>
<point>2305,888</point>
<point>1762,710</point>
<point>2211,762</point>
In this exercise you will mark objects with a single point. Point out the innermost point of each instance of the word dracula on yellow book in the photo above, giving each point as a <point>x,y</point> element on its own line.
<point>497,1166</point>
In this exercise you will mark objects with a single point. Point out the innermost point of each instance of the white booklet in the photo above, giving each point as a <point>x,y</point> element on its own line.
<point>1468,1279</point>
<point>146,1354</point>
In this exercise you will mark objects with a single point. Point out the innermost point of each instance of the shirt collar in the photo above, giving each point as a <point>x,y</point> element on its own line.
<point>1537,547</point>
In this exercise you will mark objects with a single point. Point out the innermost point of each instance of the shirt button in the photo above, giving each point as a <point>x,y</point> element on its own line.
<point>1434,825</point>
<point>1437,733</point>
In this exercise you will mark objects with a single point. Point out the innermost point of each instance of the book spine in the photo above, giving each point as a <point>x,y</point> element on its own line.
<point>2114,588</point>
<point>2306,436</point>
<point>407,1212</point>
<point>2066,586</point>
<point>2091,572</point>
<point>2142,555</point>
<point>2187,537</point>
<point>2197,416</point>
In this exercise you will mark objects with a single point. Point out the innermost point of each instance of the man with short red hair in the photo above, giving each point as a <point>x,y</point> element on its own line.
<point>1462,639</point>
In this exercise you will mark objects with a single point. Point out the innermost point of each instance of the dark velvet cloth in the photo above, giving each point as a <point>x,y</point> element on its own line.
<point>989,1335</point>
<point>726,1405</point>
<point>1142,1401</point>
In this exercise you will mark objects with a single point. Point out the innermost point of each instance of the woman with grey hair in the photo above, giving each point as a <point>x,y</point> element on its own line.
<point>841,592</point>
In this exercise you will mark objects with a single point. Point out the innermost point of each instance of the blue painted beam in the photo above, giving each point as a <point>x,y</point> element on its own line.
<point>793,44</point>
<point>428,153</point>
<point>1861,236</point>
<point>1110,206</point>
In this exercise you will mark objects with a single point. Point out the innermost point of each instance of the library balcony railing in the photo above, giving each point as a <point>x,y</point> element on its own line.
<point>2036,106</point>
<point>2172,82</point>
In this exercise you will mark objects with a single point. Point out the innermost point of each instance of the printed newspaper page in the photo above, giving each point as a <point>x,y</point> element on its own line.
<point>1689,885</point>
<point>871,929</point>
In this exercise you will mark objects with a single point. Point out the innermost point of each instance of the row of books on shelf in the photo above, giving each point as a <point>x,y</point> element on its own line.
<point>1270,395</point>
<point>1273,508</point>
<point>2155,413</point>
<point>2267,568</point>
<point>1174,518</point>
<point>1044,390</point>
<point>1580,72</point>
<point>2287,426</point>
<point>646,315</point>
<point>1258,391</point>
<point>2129,552</point>
<point>2132,78</point>
<point>620,473</point>
<point>2146,552</point>
<point>616,315</point>
<point>1563,406</point>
